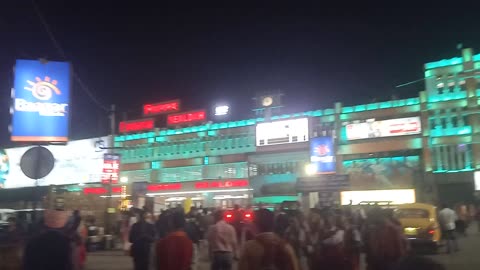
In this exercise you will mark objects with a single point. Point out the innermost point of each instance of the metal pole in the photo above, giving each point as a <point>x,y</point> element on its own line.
<point>109,186</point>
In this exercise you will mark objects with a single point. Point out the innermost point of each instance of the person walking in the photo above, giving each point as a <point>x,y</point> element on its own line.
<point>175,251</point>
<point>141,236</point>
<point>222,240</point>
<point>267,250</point>
<point>447,218</point>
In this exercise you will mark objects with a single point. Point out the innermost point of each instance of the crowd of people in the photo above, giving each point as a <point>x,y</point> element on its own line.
<point>329,238</point>
<point>290,240</point>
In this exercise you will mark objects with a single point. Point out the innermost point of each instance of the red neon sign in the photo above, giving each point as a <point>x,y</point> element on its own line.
<point>163,107</point>
<point>138,125</point>
<point>188,117</point>
<point>100,190</point>
<point>162,187</point>
<point>222,184</point>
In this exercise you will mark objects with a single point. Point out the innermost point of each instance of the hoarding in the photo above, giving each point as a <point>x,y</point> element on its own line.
<point>41,101</point>
<point>136,125</point>
<point>393,196</point>
<point>383,173</point>
<point>282,132</point>
<point>322,155</point>
<point>384,128</point>
<point>161,108</point>
<point>111,168</point>
<point>187,117</point>
<point>77,162</point>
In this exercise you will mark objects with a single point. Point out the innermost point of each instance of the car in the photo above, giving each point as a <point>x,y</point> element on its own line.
<point>420,224</point>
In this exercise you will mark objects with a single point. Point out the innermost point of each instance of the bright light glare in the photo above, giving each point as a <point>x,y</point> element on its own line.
<point>202,191</point>
<point>476,176</point>
<point>310,169</point>
<point>123,179</point>
<point>395,196</point>
<point>222,110</point>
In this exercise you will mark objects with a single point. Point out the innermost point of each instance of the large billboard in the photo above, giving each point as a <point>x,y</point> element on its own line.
<point>322,155</point>
<point>41,99</point>
<point>383,173</point>
<point>282,132</point>
<point>384,128</point>
<point>78,162</point>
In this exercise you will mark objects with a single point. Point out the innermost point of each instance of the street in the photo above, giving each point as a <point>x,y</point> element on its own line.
<point>466,259</point>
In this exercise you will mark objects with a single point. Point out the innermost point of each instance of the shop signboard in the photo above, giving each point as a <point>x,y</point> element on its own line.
<point>282,132</point>
<point>111,168</point>
<point>161,108</point>
<point>77,162</point>
<point>41,101</point>
<point>323,183</point>
<point>322,155</point>
<point>384,128</point>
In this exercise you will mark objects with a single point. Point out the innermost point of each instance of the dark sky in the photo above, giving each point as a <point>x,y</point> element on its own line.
<point>133,53</point>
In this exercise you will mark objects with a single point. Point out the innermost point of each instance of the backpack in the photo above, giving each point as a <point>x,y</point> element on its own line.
<point>275,255</point>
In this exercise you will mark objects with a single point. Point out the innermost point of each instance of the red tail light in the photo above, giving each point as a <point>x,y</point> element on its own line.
<point>248,215</point>
<point>229,216</point>
<point>431,232</point>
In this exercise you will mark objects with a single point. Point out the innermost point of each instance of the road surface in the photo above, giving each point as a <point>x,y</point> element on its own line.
<point>467,258</point>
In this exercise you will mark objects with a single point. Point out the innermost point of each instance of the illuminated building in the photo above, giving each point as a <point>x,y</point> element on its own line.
<point>427,144</point>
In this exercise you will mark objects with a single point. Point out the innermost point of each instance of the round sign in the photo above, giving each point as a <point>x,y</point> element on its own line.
<point>37,162</point>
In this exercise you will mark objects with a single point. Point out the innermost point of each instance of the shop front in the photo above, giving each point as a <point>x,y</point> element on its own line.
<point>221,193</point>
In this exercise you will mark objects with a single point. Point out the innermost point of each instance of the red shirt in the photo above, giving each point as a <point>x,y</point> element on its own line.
<point>174,252</point>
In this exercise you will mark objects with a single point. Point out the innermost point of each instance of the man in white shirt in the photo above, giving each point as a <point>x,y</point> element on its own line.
<point>447,218</point>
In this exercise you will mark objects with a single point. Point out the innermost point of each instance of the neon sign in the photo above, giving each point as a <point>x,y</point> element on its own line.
<point>158,187</point>
<point>188,117</point>
<point>137,125</point>
<point>160,108</point>
<point>100,190</point>
<point>222,184</point>
<point>111,168</point>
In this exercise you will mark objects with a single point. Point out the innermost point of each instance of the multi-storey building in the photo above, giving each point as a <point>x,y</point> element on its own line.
<point>427,143</point>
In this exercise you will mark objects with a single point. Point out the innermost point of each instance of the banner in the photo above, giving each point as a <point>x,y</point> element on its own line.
<point>385,128</point>
<point>322,155</point>
<point>111,168</point>
<point>41,101</point>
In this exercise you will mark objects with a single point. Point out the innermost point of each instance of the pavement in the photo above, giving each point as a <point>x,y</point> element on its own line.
<point>468,258</point>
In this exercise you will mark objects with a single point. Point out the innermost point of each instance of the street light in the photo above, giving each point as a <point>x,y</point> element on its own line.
<point>124,179</point>
<point>310,169</point>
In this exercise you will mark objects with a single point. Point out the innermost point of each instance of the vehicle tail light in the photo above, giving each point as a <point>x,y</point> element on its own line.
<point>229,215</point>
<point>431,232</point>
<point>248,215</point>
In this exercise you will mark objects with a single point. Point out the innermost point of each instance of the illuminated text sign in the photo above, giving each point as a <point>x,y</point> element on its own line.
<point>163,107</point>
<point>160,187</point>
<point>222,184</point>
<point>100,190</point>
<point>282,132</point>
<point>41,99</point>
<point>111,168</point>
<point>384,128</point>
<point>137,125</point>
<point>188,117</point>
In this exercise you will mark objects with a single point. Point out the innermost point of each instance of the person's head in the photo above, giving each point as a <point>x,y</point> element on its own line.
<point>418,263</point>
<point>265,220</point>
<point>218,215</point>
<point>177,220</point>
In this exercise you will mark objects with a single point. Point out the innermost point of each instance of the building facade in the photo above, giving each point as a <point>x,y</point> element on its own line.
<point>428,144</point>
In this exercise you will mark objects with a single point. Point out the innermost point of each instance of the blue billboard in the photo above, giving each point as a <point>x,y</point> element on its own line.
<point>41,101</point>
<point>322,154</point>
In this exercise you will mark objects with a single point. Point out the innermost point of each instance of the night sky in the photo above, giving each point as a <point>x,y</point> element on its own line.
<point>134,53</point>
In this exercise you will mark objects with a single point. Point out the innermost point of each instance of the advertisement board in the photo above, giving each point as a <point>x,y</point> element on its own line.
<point>41,100</point>
<point>384,128</point>
<point>322,154</point>
<point>111,168</point>
<point>383,173</point>
<point>78,162</point>
<point>282,132</point>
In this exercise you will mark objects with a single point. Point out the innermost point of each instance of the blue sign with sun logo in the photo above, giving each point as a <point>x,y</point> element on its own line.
<point>322,155</point>
<point>41,101</point>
